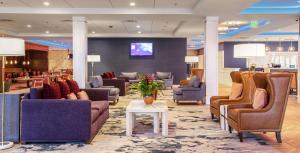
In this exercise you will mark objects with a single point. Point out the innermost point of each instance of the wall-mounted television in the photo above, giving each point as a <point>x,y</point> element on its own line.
<point>140,49</point>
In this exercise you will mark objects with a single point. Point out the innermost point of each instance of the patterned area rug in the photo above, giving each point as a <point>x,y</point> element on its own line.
<point>190,130</point>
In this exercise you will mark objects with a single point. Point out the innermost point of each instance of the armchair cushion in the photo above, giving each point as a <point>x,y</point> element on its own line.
<point>194,82</point>
<point>260,98</point>
<point>236,90</point>
<point>163,75</point>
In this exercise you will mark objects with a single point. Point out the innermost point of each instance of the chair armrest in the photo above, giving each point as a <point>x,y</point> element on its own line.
<point>213,98</point>
<point>107,87</point>
<point>240,106</point>
<point>117,83</point>
<point>52,119</point>
<point>97,94</point>
<point>123,78</point>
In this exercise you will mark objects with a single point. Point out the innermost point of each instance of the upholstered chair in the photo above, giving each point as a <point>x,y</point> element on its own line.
<point>248,86</point>
<point>244,118</point>
<point>194,72</point>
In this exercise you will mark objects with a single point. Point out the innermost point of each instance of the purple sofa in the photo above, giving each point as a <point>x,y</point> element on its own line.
<point>62,120</point>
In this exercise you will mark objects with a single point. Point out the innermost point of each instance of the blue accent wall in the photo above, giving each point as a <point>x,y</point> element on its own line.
<point>231,62</point>
<point>168,56</point>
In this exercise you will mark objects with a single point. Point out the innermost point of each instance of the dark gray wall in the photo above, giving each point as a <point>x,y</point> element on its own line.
<point>168,56</point>
<point>231,62</point>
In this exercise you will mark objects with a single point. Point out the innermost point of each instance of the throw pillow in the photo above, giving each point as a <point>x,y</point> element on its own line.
<point>97,82</point>
<point>194,82</point>
<point>236,90</point>
<point>72,96</point>
<point>51,91</point>
<point>163,75</point>
<point>73,86</point>
<point>82,95</point>
<point>64,89</point>
<point>260,98</point>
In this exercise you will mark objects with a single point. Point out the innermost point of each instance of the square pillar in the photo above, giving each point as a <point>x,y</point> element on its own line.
<point>211,49</point>
<point>80,50</point>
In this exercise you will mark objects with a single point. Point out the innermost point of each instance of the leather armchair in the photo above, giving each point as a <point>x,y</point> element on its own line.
<point>248,89</point>
<point>243,118</point>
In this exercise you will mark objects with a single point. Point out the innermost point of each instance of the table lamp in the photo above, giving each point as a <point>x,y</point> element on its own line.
<point>8,47</point>
<point>92,59</point>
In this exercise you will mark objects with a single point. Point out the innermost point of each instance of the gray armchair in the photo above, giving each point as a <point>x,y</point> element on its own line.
<point>97,82</point>
<point>194,92</point>
<point>166,78</point>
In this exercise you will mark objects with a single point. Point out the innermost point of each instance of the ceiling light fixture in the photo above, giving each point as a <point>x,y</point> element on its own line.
<point>93,32</point>
<point>47,31</point>
<point>139,32</point>
<point>28,26</point>
<point>138,26</point>
<point>279,48</point>
<point>132,3</point>
<point>46,3</point>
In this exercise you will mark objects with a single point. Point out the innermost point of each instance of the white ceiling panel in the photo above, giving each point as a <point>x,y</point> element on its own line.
<point>175,3</point>
<point>145,26</point>
<point>139,3</point>
<point>89,4</point>
<point>12,3</point>
<point>164,26</point>
<point>39,3</point>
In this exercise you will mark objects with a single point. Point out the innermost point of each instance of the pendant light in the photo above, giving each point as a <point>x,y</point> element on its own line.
<point>268,49</point>
<point>291,48</point>
<point>16,61</point>
<point>279,48</point>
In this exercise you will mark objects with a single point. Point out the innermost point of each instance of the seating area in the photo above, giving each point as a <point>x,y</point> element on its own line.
<point>149,76</point>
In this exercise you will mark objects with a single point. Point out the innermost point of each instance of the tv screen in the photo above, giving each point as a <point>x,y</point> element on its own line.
<point>141,49</point>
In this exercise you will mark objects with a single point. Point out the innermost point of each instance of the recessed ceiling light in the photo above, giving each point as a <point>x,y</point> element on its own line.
<point>132,3</point>
<point>138,26</point>
<point>28,26</point>
<point>47,31</point>
<point>46,3</point>
<point>93,32</point>
<point>139,32</point>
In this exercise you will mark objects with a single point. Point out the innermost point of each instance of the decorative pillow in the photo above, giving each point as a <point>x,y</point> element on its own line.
<point>97,82</point>
<point>194,82</point>
<point>51,91</point>
<point>163,75</point>
<point>130,75</point>
<point>71,96</point>
<point>73,86</point>
<point>260,99</point>
<point>64,89</point>
<point>82,95</point>
<point>236,90</point>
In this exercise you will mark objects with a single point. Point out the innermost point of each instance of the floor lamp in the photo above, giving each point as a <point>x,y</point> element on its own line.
<point>8,47</point>
<point>92,59</point>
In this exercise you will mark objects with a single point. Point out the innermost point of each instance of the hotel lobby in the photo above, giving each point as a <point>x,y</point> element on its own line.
<point>149,76</point>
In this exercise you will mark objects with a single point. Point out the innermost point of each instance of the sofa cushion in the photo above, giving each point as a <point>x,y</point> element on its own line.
<point>51,91</point>
<point>260,98</point>
<point>236,90</point>
<point>130,75</point>
<point>82,95</point>
<point>97,82</point>
<point>194,82</point>
<point>163,75</point>
<point>114,91</point>
<point>64,89</point>
<point>73,86</point>
<point>36,93</point>
<point>72,96</point>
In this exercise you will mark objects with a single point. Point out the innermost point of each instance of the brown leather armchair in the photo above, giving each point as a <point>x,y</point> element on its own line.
<point>248,86</point>
<point>243,118</point>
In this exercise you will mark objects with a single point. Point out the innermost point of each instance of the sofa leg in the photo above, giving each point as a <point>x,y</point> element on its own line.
<point>278,136</point>
<point>241,136</point>
<point>230,129</point>
<point>212,116</point>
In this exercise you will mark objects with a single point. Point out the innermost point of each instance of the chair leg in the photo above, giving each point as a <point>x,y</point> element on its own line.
<point>278,136</point>
<point>212,116</point>
<point>241,136</point>
<point>230,129</point>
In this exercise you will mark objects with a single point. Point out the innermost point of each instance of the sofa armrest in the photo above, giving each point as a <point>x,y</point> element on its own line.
<point>118,83</point>
<point>97,94</point>
<point>55,120</point>
<point>240,106</point>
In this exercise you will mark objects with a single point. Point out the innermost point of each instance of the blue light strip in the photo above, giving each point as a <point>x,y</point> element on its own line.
<point>274,7</point>
<point>50,43</point>
<point>279,33</point>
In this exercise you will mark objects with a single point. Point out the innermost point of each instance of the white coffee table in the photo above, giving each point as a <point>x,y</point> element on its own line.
<point>223,117</point>
<point>157,109</point>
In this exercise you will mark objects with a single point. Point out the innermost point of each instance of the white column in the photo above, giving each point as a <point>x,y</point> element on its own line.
<point>79,50</point>
<point>211,56</point>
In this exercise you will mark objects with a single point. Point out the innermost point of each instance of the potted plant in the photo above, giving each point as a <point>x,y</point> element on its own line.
<point>148,88</point>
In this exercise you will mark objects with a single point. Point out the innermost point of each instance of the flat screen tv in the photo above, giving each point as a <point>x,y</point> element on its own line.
<point>141,49</point>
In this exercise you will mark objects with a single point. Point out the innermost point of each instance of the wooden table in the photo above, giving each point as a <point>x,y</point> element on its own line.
<point>157,109</point>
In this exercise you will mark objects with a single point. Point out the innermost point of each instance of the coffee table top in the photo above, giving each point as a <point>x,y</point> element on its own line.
<point>140,106</point>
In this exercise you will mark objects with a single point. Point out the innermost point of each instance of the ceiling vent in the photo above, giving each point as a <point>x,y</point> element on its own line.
<point>7,20</point>
<point>131,21</point>
<point>67,20</point>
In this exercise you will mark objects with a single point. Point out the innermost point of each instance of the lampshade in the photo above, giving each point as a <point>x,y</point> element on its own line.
<point>191,59</point>
<point>93,58</point>
<point>249,50</point>
<point>12,46</point>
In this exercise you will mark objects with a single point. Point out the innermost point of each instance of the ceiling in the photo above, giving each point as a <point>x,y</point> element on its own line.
<point>116,18</point>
